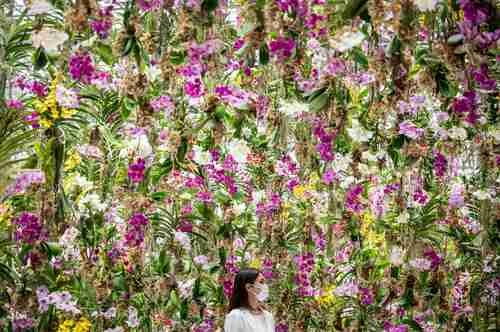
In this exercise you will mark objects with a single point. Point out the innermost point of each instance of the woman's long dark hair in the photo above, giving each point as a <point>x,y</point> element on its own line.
<point>239,297</point>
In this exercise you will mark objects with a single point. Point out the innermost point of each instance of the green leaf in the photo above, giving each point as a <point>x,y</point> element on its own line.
<point>205,211</point>
<point>319,102</point>
<point>105,52</point>
<point>355,8</point>
<point>6,273</point>
<point>360,57</point>
<point>209,5</point>
<point>225,230</point>
<point>163,263</point>
<point>128,46</point>
<point>260,4</point>
<point>182,150</point>
<point>222,256</point>
<point>40,59</point>
<point>119,283</point>
<point>177,57</point>
<point>197,293</point>
<point>159,195</point>
<point>184,310</point>
<point>264,54</point>
<point>221,114</point>
<point>440,73</point>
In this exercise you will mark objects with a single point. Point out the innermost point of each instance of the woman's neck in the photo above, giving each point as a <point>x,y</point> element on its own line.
<point>255,307</point>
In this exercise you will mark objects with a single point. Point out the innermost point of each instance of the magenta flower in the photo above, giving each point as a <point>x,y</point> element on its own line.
<point>32,119</point>
<point>230,264</point>
<point>440,164</point>
<point>409,129</point>
<point>465,104</point>
<point>420,197</point>
<point>103,23</point>
<point>136,170</point>
<point>14,104</point>
<point>390,188</point>
<point>24,181</point>
<point>282,48</point>
<point>319,238</point>
<point>194,182</point>
<point>292,183</point>
<point>435,259</point>
<point>163,103</point>
<point>366,296</point>
<point>194,88</point>
<point>474,11</point>
<point>312,20</point>
<point>81,67</point>
<point>324,148</point>
<point>267,268</point>
<point>21,324</point>
<point>230,165</point>
<point>281,327</point>
<point>38,88</point>
<point>135,233</point>
<point>185,227</point>
<point>329,176</point>
<point>29,229</point>
<point>214,154</point>
<point>238,44</point>
<point>114,254</point>
<point>228,287</point>
<point>204,196</point>
<point>334,67</point>
<point>389,327</point>
<point>300,7</point>
<point>483,79</point>
<point>305,265</point>
<point>352,200</point>
<point>149,5</point>
<point>267,210</point>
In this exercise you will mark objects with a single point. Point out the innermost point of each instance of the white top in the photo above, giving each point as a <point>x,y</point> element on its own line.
<point>242,320</point>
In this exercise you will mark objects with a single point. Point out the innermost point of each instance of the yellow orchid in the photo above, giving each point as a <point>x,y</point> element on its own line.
<point>67,113</point>
<point>327,297</point>
<point>5,213</point>
<point>46,123</point>
<point>49,109</point>
<point>299,191</point>
<point>255,263</point>
<point>83,325</point>
<point>73,161</point>
<point>66,326</point>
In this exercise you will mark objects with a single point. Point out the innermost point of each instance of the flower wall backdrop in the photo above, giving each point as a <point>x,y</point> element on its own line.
<point>149,149</point>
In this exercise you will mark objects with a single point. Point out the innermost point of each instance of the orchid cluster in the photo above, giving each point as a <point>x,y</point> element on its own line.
<point>151,149</point>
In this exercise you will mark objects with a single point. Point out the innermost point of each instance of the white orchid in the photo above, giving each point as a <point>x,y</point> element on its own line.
<point>426,5</point>
<point>348,40</point>
<point>200,156</point>
<point>293,108</point>
<point>396,256</point>
<point>358,133</point>
<point>239,150</point>
<point>49,38</point>
<point>40,7</point>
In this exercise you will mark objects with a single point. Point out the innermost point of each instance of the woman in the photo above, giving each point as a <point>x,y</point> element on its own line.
<point>246,309</point>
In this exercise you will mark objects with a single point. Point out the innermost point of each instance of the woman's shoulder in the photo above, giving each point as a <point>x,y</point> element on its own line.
<point>236,313</point>
<point>243,312</point>
<point>268,314</point>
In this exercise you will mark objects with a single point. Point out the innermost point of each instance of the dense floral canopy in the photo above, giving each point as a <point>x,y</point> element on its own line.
<point>150,149</point>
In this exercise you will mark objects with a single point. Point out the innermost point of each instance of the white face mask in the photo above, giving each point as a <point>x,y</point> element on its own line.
<point>263,293</point>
